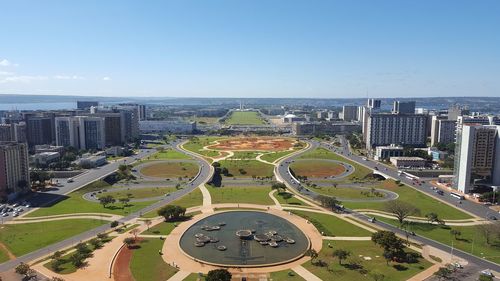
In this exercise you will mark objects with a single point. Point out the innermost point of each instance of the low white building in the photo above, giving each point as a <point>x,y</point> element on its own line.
<point>408,162</point>
<point>167,126</point>
<point>386,152</point>
<point>92,161</point>
<point>44,158</point>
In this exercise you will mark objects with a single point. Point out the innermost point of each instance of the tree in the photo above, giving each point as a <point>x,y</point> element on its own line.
<point>393,246</point>
<point>23,269</point>
<point>77,259</point>
<point>218,275</point>
<point>443,273</point>
<point>148,222</point>
<point>134,232</point>
<point>341,255</point>
<point>286,196</point>
<point>329,202</point>
<point>114,224</point>
<point>313,254</point>
<point>106,200</point>
<point>278,186</point>
<point>172,212</point>
<point>129,241</point>
<point>455,233</point>
<point>401,210</point>
<point>122,168</point>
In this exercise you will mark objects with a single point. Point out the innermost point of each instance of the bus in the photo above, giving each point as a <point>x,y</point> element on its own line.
<point>456,195</point>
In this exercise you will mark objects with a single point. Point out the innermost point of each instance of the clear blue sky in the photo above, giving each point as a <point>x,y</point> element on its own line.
<point>268,48</point>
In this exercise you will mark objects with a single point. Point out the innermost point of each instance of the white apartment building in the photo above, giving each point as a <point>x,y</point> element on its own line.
<point>82,132</point>
<point>442,130</point>
<point>477,159</point>
<point>14,170</point>
<point>387,129</point>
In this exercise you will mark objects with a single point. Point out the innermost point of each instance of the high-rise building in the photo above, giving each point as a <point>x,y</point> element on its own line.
<point>84,105</point>
<point>349,113</point>
<point>386,129</point>
<point>14,170</point>
<point>13,132</point>
<point>81,132</point>
<point>373,103</point>
<point>403,107</point>
<point>442,130</point>
<point>39,130</point>
<point>92,134</point>
<point>457,110</point>
<point>476,157</point>
<point>67,132</point>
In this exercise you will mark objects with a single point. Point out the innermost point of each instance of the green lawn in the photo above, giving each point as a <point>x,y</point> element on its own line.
<point>469,234</point>
<point>75,203</point>
<point>138,193</point>
<point>163,228</point>
<point>25,238</point>
<point>271,157</point>
<point>377,264</point>
<point>344,192</point>
<point>147,264</point>
<point>332,226</point>
<point>317,168</point>
<point>291,201</point>
<point>241,194</point>
<point>425,203</point>
<point>162,169</point>
<point>192,199</point>
<point>322,153</point>
<point>3,256</point>
<point>250,167</point>
<point>168,154</point>
<point>204,120</point>
<point>285,275</point>
<point>197,143</point>
<point>244,118</point>
<point>192,277</point>
<point>244,155</point>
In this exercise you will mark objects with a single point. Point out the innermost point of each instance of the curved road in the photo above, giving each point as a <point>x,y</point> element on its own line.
<point>202,177</point>
<point>283,173</point>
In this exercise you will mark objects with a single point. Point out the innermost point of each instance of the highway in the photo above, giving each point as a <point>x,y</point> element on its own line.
<point>283,171</point>
<point>202,177</point>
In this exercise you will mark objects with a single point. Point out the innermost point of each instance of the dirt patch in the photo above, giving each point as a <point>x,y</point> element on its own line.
<point>317,169</point>
<point>7,251</point>
<point>121,268</point>
<point>260,144</point>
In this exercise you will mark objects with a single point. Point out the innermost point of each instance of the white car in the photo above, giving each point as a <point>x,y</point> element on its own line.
<point>487,272</point>
<point>5,214</point>
<point>15,214</point>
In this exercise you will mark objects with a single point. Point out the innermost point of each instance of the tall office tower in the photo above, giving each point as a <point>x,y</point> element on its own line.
<point>476,157</point>
<point>85,105</point>
<point>457,110</point>
<point>349,113</point>
<point>142,112</point>
<point>13,132</point>
<point>130,122</point>
<point>67,132</point>
<point>442,130</point>
<point>39,130</point>
<point>386,129</point>
<point>14,170</point>
<point>373,103</point>
<point>92,134</point>
<point>403,107</point>
<point>5,132</point>
<point>115,133</point>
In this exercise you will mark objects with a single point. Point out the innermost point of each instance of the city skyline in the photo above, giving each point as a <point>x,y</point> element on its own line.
<point>258,49</point>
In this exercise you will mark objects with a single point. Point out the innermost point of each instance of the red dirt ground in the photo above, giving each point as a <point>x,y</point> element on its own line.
<point>252,143</point>
<point>317,169</point>
<point>121,269</point>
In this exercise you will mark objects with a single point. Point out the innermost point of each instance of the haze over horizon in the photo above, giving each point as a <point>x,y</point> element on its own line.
<point>281,49</point>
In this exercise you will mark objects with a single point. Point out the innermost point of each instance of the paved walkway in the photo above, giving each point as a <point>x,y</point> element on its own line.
<point>470,222</point>
<point>276,202</point>
<point>346,238</point>
<point>113,218</point>
<point>180,275</point>
<point>306,274</point>
<point>207,200</point>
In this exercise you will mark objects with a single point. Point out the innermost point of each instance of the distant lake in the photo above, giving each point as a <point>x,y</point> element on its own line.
<point>38,106</point>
